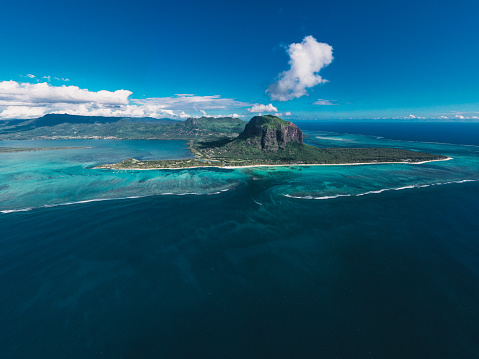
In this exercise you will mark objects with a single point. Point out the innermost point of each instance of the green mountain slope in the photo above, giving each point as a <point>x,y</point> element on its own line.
<point>68,126</point>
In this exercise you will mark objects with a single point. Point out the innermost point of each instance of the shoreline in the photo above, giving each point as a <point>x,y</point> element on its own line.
<point>282,165</point>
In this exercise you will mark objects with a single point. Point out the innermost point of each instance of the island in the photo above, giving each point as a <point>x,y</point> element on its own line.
<point>271,141</point>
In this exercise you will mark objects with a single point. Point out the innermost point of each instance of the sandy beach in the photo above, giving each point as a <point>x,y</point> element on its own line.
<point>283,165</point>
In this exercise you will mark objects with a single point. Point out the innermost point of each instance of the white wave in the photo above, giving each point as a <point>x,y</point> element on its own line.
<point>333,139</point>
<point>16,210</point>
<point>255,201</point>
<point>405,187</point>
<point>330,197</point>
<point>381,190</point>
<point>373,192</point>
<point>104,199</point>
<point>288,195</point>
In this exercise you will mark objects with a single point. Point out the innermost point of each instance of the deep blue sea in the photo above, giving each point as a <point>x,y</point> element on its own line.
<point>373,261</point>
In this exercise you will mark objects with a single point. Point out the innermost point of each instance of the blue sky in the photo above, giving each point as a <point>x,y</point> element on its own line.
<point>404,59</point>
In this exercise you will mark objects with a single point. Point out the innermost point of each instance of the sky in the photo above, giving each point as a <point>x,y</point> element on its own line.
<point>302,60</point>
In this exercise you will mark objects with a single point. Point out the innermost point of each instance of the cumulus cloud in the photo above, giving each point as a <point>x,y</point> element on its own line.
<point>306,60</point>
<point>233,115</point>
<point>191,102</point>
<point>31,76</point>
<point>322,102</point>
<point>25,112</point>
<point>25,100</point>
<point>259,108</point>
<point>22,112</point>
<point>14,93</point>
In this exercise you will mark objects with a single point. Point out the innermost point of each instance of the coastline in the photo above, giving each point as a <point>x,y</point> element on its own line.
<point>282,165</point>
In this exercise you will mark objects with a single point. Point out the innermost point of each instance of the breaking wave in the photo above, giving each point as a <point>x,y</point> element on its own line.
<point>380,190</point>
<point>5,211</point>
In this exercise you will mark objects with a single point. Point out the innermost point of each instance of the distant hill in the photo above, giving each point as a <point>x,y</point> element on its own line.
<point>56,119</point>
<point>62,126</point>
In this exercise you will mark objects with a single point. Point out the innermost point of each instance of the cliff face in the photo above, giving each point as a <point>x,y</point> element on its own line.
<point>271,133</point>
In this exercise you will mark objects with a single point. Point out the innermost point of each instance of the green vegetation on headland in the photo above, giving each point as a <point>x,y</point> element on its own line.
<point>269,140</point>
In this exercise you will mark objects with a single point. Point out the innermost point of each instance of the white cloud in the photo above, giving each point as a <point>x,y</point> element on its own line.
<point>31,76</point>
<point>258,108</point>
<point>61,79</point>
<point>190,102</point>
<point>122,111</point>
<point>48,78</point>
<point>306,60</point>
<point>14,93</point>
<point>25,100</point>
<point>233,115</point>
<point>22,112</point>
<point>89,110</point>
<point>460,117</point>
<point>287,113</point>
<point>323,102</point>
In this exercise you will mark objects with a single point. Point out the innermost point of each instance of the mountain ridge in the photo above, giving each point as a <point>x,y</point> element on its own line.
<point>63,126</point>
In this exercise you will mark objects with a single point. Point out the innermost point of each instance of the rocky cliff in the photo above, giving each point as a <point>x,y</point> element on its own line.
<point>271,133</point>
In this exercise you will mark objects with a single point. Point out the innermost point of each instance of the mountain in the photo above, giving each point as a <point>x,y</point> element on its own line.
<point>56,119</point>
<point>271,133</point>
<point>62,126</point>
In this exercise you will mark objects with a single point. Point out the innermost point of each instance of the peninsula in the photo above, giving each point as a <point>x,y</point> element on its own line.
<point>271,141</point>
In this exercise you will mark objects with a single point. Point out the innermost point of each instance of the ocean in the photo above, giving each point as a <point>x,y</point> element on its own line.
<point>373,261</point>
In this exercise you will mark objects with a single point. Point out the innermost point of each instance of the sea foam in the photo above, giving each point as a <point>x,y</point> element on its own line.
<point>380,190</point>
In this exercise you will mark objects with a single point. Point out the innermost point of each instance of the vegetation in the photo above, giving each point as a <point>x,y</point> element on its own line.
<point>272,122</point>
<point>238,151</point>
<point>82,127</point>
